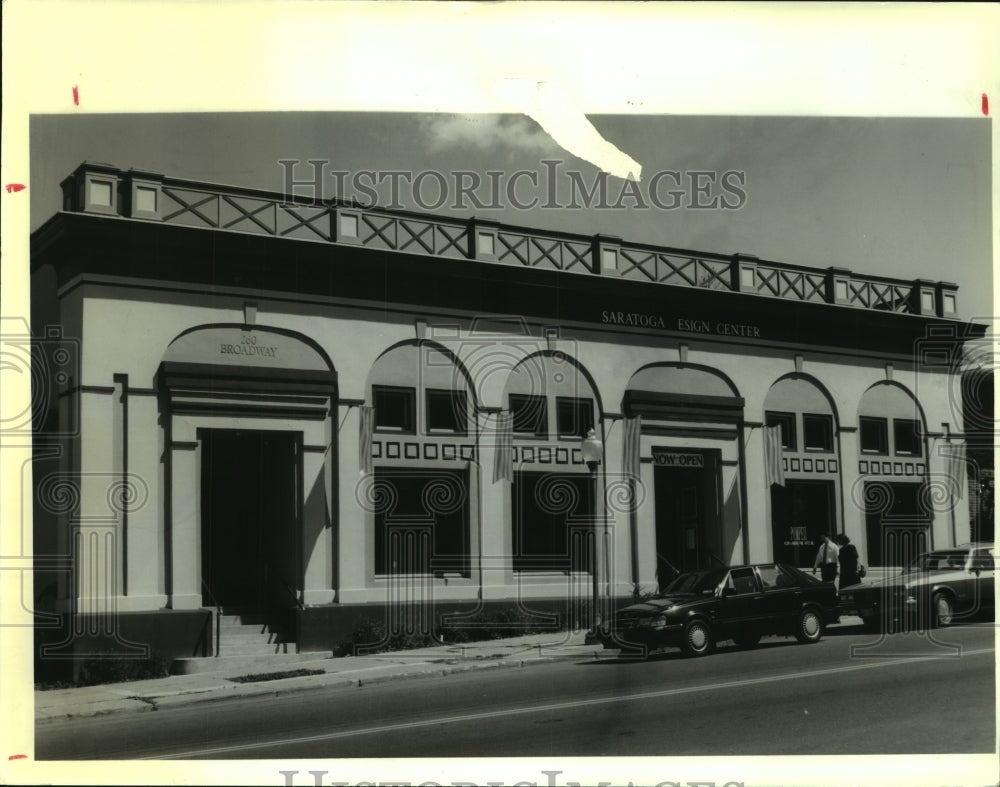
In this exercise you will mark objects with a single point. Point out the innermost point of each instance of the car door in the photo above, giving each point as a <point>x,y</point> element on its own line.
<point>782,597</point>
<point>741,603</point>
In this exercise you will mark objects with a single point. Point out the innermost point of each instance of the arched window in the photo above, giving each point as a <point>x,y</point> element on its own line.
<point>423,446</point>
<point>805,506</point>
<point>892,461</point>
<point>553,494</point>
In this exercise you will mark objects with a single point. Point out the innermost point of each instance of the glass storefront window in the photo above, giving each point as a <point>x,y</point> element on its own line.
<point>426,528</point>
<point>801,511</point>
<point>546,508</point>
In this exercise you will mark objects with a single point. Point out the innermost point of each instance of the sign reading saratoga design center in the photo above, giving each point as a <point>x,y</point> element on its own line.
<point>716,327</point>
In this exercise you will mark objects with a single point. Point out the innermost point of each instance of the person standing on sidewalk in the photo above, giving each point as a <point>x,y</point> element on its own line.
<point>848,556</point>
<point>826,559</point>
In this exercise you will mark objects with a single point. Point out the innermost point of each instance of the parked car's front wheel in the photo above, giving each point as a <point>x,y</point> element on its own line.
<point>698,639</point>
<point>809,627</point>
<point>942,610</point>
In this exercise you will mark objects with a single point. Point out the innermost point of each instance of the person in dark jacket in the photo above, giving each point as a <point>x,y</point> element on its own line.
<point>848,557</point>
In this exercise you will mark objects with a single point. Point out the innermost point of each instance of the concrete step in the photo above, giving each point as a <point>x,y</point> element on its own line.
<point>244,620</point>
<point>236,636</point>
<point>251,638</point>
<point>238,640</point>
<point>229,647</point>
<point>252,633</point>
<point>242,642</point>
<point>255,648</point>
<point>235,666</point>
<point>250,617</point>
<point>236,624</point>
<point>233,625</point>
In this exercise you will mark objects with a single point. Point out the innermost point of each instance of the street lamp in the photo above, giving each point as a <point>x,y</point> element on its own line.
<point>593,451</point>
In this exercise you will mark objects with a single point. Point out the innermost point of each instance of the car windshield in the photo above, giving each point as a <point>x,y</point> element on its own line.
<point>937,561</point>
<point>696,582</point>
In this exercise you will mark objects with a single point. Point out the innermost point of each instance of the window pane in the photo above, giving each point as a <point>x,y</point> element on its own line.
<point>896,533</point>
<point>906,434</point>
<point>423,527</point>
<point>817,432</point>
<point>446,411</point>
<point>574,417</point>
<point>548,509</point>
<point>741,581</point>
<point>394,408</point>
<point>787,423</point>
<point>530,414</point>
<point>874,435</point>
<point>768,576</point>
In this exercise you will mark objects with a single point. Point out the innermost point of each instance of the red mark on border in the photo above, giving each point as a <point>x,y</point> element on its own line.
<point>12,187</point>
<point>18,757</point>
<point>986,105</point>
<point>76,96</point>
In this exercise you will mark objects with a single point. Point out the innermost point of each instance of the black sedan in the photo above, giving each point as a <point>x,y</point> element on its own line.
<point>935,589</point>
<point>741,603</point>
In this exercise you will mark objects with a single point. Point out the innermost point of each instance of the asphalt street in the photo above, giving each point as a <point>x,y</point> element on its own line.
<point>851,693</point>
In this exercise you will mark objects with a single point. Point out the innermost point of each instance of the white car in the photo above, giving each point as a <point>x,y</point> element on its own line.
<point>937,588</point>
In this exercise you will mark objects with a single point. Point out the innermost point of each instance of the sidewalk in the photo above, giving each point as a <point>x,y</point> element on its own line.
<point>151,695</point>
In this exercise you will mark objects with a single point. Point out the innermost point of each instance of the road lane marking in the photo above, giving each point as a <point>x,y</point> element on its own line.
<point>555,706</point>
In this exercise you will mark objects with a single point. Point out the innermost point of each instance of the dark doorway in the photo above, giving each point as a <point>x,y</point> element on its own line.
<point>249,517</point>
<point>688,531</point>
<point>897,522</point>
<point>801,511</point>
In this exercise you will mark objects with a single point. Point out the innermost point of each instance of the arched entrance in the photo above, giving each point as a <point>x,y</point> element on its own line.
<point>246,412</point>
<point>690,417</point>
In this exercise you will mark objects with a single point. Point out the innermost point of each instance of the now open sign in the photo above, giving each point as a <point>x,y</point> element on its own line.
<point>678,459</point>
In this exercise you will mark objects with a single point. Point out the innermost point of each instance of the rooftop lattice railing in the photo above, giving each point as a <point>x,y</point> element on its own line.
<point>132,194</point>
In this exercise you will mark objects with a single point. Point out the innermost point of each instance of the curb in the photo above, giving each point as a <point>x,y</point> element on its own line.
<point>441,666</point>
<point>425,669</point>
<point>225,690</point>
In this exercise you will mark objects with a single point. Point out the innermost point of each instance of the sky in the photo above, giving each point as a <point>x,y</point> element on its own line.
<point>899,197</point>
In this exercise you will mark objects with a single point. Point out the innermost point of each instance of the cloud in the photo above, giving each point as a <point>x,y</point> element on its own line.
<point>486,132</point>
